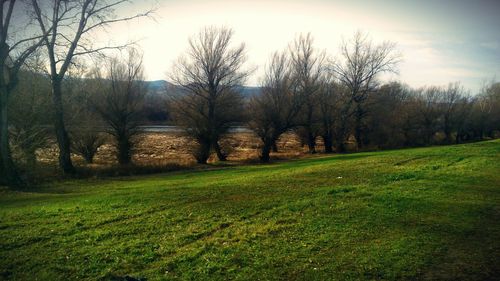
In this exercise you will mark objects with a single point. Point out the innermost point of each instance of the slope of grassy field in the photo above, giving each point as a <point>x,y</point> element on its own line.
<point>426,213</point>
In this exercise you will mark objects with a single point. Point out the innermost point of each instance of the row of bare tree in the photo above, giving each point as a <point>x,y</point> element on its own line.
<point>102,102</point>
<point>299,83</point>
<point>303,90</point>
<point>395,115</point>
<point>318,97</point>
<point>63,31</point>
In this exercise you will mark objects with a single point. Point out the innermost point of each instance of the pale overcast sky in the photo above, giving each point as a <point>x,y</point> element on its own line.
<point>441,41</point>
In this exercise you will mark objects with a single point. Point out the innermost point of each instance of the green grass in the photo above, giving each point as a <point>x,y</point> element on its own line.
<point>426,213</point>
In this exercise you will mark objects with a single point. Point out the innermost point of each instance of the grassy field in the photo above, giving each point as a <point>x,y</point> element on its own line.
<point>426,213</point>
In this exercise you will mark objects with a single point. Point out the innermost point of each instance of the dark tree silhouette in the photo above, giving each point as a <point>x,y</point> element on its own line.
<point>361,61</point>
<point>209,76</point>
<point>85,123</point>
<point>307,66</point>
<point>275,110</point>
<point>14,50</point>
<point>72,23</point>
<point>29,111</point>
<point>330,99</point>
<point>121,103</point>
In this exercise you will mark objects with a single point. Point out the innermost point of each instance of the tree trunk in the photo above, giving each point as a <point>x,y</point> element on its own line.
<point>328,141</point>
<point>1,170</point>
<point>447,130</point>
<point>311,141</point>
<point>89,157</point>
<point>266,150</point>
<point>429,135</point>
<point>1,162</point>
<point>310,137</point>
<point>448,138</point>
<point>203,152</point>
<point>357,136</point>
<point>31,158</point>
<point>340,146</point>
<point>341,134</point>
<point>358,130</point>
<point>406,135</point>
<point>124,155</point>
<point>213,137</point>
<point>9,174</point>
<point>275,147</point>
<point>339,143</point>
<point>61,132</point>
<point>218,150</point>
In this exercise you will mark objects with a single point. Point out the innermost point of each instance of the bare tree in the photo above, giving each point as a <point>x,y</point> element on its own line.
<point>307,65</point>
<point>85,123</point>
<point>209,76</point>
<point>462,118</point>
<point>14,50</point>
<point>72,23</point>
<point>28,110</point>
<point>275,110</point>
<point>330,101</point>
<point>487,110</point>
<point>85,142</point>
<point>481,110</point>
<point>360,64</point>
<point>427,102</point>
<point>390,119</point>
<point>121,102</point>
<point>450,102</point>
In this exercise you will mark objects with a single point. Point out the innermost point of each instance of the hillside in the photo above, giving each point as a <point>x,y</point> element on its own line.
<point>426,213</point>
<point>160,87</point>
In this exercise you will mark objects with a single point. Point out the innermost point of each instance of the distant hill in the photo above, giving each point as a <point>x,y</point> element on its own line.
<point>249,91</point>
<point>161,87</point>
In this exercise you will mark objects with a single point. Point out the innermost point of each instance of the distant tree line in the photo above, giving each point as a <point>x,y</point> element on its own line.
<point>304,91</point>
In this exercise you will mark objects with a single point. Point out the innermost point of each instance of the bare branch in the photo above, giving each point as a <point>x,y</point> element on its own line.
<point>209,77</point>
<point>98,50</point>
<point>106,22</point>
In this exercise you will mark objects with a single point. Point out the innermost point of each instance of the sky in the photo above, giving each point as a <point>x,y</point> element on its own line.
<point>441,41</point>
